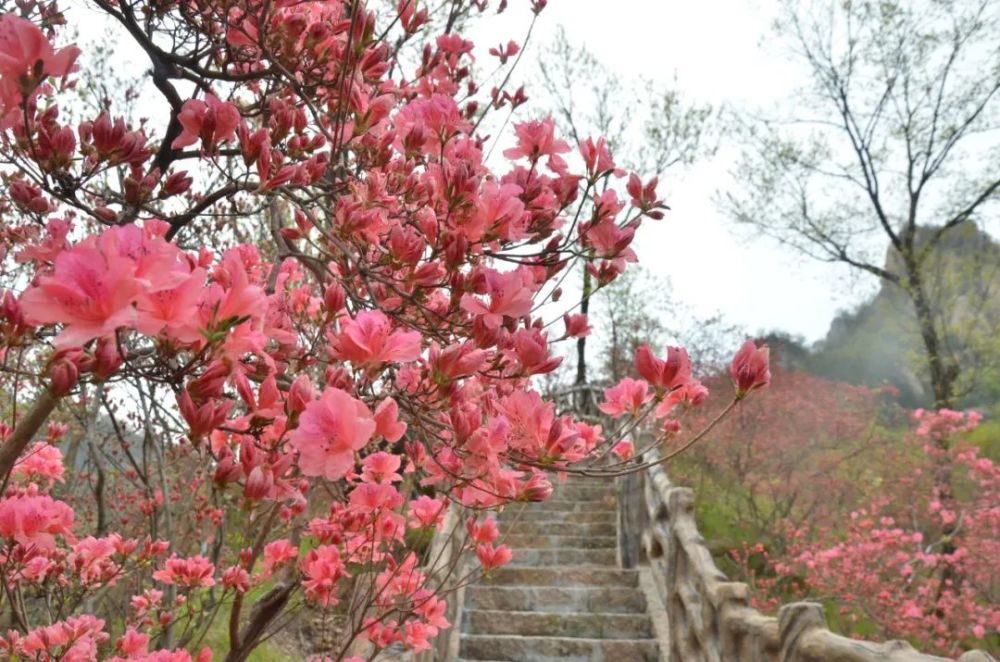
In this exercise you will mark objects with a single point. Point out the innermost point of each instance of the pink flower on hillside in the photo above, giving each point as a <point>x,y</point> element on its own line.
<point>90,293</point>
<point>91,559</point>
<point>211,120</point>
<point>610,241</point>
<point>368,340</point>
<point>499,210</point>
<point>627,396</point>
<point>76,639</point>
<point>166,656</point>
<point>368,498</point>
<point>330,430</point>
<point>42,461</point>
<point>322,569</point>
<point>277,553</point>
<point>35,520</point>
<point>193,572</point>
<point>133,643</point>
<point>597,157</point>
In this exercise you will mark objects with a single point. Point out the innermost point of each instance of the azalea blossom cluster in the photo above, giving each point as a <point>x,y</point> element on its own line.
<point>304,312</point>
<point>917,565</point>
<point>669,390</point>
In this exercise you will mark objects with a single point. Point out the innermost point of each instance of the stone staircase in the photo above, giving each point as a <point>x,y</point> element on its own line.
<point>563,596</point>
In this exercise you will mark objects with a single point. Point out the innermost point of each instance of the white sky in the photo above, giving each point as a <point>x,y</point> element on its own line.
<point>713,48</point>
<point>718,50</point>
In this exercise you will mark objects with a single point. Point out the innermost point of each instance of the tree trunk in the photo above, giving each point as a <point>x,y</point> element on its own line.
<point>943,375</point>
<point>583,399</point>
<point>942,372</point>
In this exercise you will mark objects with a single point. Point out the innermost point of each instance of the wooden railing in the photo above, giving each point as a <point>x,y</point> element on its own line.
<point>709,617</point>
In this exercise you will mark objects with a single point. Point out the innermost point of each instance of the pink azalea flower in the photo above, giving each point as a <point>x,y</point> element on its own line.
<point>534,353</point>
<point>493,557</point>
<point>322,569</point>
<point>368,340</point>
<point>35,520</point>
<point>510,295</point>
<point>387,423</point>
<point>483,532</point>
<point>330,430</point>
<point>666,374</point>
<point>537,138</point>
<point>90,293</point>
<point>173,311</point>
<point>277,553</point>
<point>211,120</point>
<point>381,467</point>
<point>624,449</point>
<point>691,394</point>
<point>26,56</point>
<point>750,368</point>
<point>576,326</point>
<point>133,643</point>
<point>426,511</point>
<point>23,46</point>
<point>193,572</point>
<point>74,640</point>
<point>42,461</point>
<point>627,396</point>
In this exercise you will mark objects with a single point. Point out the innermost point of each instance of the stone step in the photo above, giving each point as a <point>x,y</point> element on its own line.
<point>557,527</point>
<point>604,516</point>
<point>536,624</point>
<point>562,599</point>
<point>515,648</point>
<point>516,540</point>
<point>575,506</point>
<point>514,575</point>
<point>530,556</point>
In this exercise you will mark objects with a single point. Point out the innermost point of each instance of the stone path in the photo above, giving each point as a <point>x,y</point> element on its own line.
<point>563,597</point>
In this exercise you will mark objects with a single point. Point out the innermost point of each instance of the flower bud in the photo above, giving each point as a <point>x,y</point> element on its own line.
<point>259,484</point>
<point>750,368</point>
<point>107,359</point>
<point>299,395</point>
<point>63,375</point>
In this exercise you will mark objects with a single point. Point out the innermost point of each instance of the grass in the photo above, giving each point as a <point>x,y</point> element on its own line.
<point>217,636</point>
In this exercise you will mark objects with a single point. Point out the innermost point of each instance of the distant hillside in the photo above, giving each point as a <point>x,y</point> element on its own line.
<point>878,342</point>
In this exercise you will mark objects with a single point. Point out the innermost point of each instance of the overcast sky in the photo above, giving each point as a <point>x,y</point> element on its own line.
<point>719,53</point>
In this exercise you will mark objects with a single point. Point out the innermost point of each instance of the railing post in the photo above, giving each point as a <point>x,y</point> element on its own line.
<point>630,519</point>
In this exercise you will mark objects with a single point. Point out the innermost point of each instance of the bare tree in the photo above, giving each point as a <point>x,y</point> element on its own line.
<point>894,142</point>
